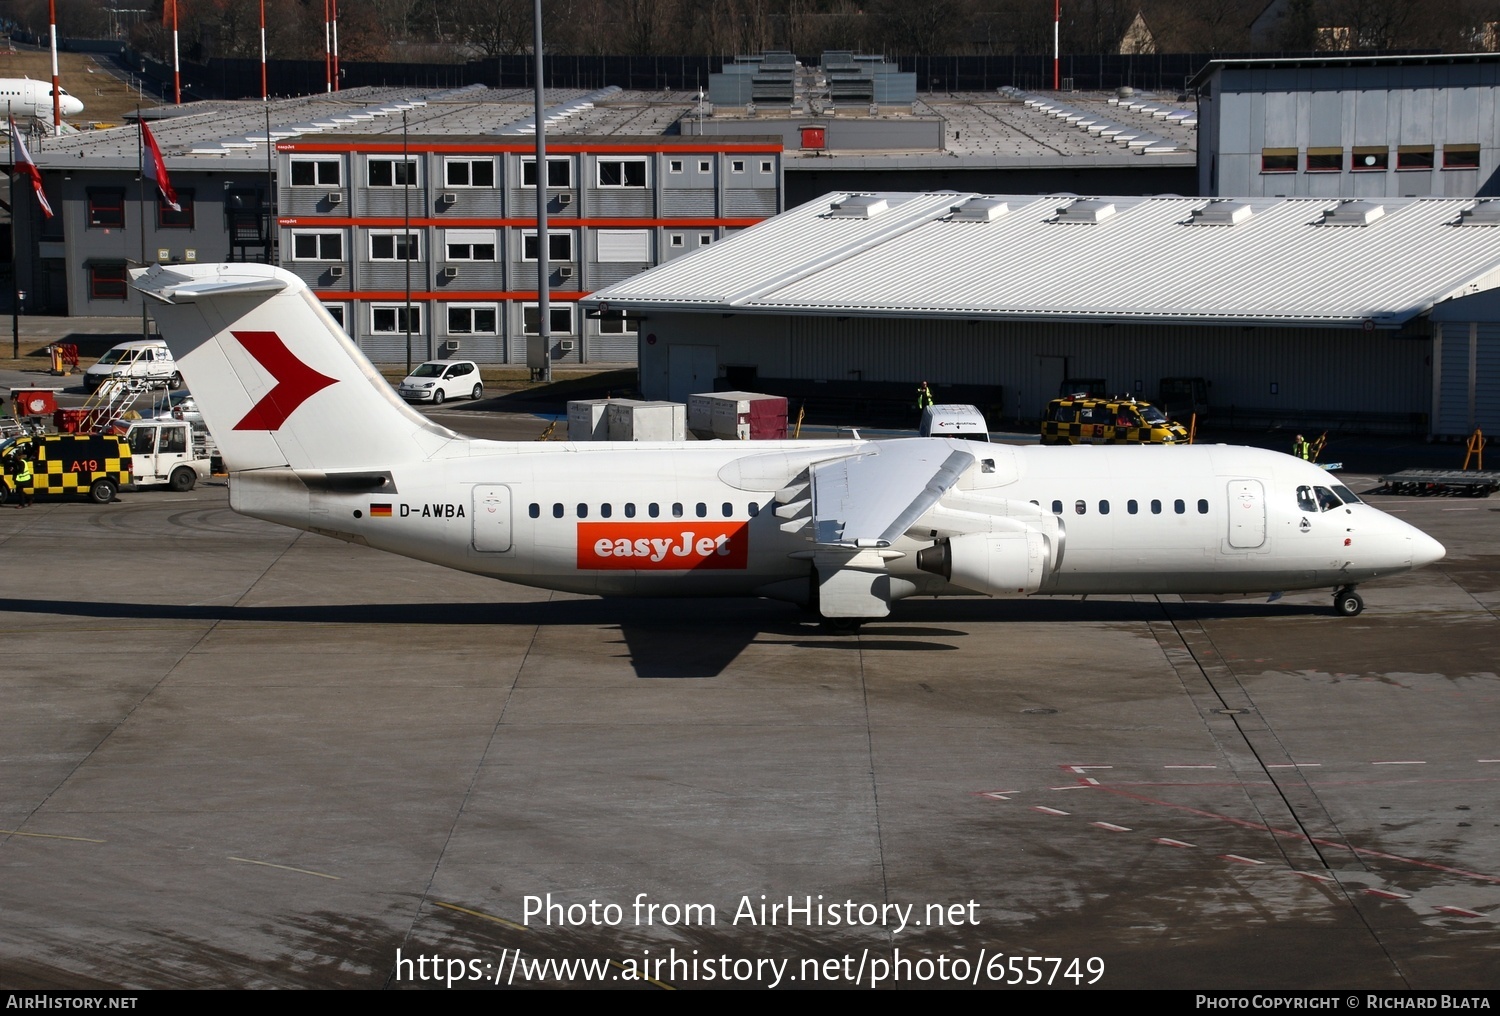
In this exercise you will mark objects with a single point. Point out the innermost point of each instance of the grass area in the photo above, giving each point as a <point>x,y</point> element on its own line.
<point>106,99</point>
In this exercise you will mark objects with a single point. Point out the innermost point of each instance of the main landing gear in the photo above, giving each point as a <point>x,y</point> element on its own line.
<point>1347,603</point>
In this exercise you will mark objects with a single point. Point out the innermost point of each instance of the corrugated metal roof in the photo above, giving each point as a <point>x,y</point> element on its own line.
<point>1283,263</point>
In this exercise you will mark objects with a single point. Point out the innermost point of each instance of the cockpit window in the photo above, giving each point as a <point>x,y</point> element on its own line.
<point>1327,499</point>
<point>1346,495</point>
<point>1305,500</point>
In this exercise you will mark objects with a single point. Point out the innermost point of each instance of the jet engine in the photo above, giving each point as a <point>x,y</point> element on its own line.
<point>996,564</point>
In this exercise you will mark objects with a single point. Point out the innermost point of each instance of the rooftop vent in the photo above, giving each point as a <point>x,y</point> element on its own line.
<point>979,210</point>
<point>1222,213</point>
<point>858,206</point>
<point>1484,213</point>
<point>1353,213</point>
<point>1086,210</point>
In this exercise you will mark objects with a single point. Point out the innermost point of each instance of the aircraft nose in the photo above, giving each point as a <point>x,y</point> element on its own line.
<point>1425,550</point>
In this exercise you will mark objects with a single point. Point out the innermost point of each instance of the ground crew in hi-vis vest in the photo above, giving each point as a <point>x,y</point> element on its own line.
<point>924,396</point>
<point>22,478</point>
<point>1302,449</point>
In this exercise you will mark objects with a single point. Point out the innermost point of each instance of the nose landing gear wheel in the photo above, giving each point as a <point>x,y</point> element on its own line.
<point>1348,603</point>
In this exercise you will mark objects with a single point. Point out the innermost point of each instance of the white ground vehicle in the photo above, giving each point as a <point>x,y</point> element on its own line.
<point>168,452</point>
<point>438,380</point>
<point>143,360</point>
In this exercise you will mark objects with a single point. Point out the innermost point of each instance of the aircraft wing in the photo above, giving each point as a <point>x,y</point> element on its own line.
<point>870,499</point>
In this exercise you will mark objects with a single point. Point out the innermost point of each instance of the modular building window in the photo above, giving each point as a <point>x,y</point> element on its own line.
<point>327,172</point>
<point>317,246</point>
<point>614,322</point>
<point>469,172</point>
<point>478,319</point>
<point>392,172</point>
<point>1278,160</point>
<point>559,246</point>
<point>624,245</point>
<point>1414,157</point>
<point>394,245</point>
<point>106,209</point>
<point>560,317</point>
<point>107,282</point>
<point>390,318</point>
<point>1370,159</point>
<point>470,244</point>
<point>622,172</point>
<point>559,172</point>
<point>1460,156</point>
<point>1325,160</point>
<point>339,312</point>
<point>182,218</point>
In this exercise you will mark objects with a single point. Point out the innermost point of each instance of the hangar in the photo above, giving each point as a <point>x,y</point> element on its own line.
<point>1377,315</point>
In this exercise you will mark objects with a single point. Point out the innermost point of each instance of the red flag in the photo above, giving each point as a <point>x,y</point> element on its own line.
<point>28,169</point>
<point>154,169</point>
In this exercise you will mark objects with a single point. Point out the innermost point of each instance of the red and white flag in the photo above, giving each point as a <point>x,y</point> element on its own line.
<point>154,169</point>
<point>28,169</point>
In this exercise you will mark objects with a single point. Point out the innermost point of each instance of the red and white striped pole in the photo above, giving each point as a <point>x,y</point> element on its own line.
<point>335,45</point>
<point>1056,47</point>
<point>263,93</point>
<point>56,86</point>
<point>327,50</point>
<point>176,63</point>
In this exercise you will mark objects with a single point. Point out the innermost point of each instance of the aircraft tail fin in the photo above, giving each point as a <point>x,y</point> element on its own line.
<point>278,381</point>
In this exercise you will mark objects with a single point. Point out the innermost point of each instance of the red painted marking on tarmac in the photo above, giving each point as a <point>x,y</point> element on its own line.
<point>1111,827</point>
<point>1458,911</point>
<point>1047,811</point>
<point>1294,835</point>
<point>1236,858</point>
<point>1387,894</point>
<point>1172,843</point>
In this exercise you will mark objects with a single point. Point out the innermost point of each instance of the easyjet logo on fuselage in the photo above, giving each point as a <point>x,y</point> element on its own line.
<point>296,382</point>
<point>663,546</point>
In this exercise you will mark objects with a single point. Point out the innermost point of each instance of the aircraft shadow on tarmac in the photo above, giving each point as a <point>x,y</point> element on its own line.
<point>670,643</point>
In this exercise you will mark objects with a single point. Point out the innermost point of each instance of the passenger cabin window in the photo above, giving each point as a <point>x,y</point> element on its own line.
<point>1202,506</point>
<point>1056,507</point>
<point>1080,507</point>
<point>630,509</point>
<point>1155,507</point>
<point>1132,506</point>
<point>1179,506</point>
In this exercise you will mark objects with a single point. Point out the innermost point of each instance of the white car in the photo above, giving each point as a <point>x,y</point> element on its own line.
<point>143,360</point>
<point>439,380</point>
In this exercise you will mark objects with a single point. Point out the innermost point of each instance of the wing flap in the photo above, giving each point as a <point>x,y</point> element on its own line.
<point>870,499</point>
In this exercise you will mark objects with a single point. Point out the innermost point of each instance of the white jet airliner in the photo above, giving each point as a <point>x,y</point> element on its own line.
<point>316,439</point>
<point>25,97</point>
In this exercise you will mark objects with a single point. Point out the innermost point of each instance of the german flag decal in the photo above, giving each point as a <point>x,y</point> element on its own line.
<point>380,511</point>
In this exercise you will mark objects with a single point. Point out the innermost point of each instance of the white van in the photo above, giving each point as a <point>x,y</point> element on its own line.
<point>954,421</point>
<point>144,360</point>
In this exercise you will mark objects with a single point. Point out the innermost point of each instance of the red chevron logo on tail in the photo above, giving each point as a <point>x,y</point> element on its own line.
<point>296,382</point>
